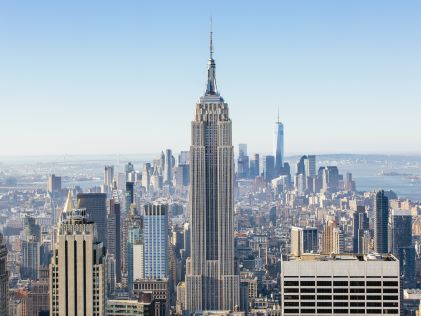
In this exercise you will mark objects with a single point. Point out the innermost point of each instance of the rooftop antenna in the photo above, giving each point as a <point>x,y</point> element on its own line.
<point>210,40</point>
<point>278,113</point>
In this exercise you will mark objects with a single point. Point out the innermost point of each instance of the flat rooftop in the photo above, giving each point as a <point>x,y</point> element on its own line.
<point>344,257</point>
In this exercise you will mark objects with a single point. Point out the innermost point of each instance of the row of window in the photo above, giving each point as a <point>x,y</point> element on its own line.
<point>339,290</point>
<point>341,283</point>
<point>341,304</point>
<point>340,311</point>
<point>341,297</point>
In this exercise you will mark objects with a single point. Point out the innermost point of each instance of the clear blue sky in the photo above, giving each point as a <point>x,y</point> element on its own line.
<point>105,77</point>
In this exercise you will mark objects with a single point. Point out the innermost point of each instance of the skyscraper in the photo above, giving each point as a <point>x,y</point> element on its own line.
<point>155,239</point>
<point>168,167</point>
<point>278,146</point>
<point>304,240</point>
<point>108,178</point>
<point>254,169</point>
<point>211,282</point>
<point>268,167</point>
<point>4,278</point>
<point>243,161</point>
<point>54,185</point>
<point>96,210</point>
<point>381,217</point>
<point>332,239</point>
<point>400,244</point>
<point>361,226</point>
<point>114,233</point>
<point>77,268</point>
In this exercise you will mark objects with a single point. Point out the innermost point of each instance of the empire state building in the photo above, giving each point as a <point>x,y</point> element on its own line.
<point>211,282</point>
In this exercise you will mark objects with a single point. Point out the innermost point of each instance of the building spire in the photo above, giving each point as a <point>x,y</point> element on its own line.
<point>211,88</point>
<point>211,40</point>
<point>278,113</point>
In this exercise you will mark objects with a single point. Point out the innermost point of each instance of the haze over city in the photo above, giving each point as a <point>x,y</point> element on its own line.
<point>104,78</point>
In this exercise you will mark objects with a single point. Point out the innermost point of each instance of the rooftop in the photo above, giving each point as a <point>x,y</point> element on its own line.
<point>344,257</point>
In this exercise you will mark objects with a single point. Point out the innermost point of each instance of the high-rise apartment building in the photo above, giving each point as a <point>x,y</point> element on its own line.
<point>4,278</point>
<point>77,268</point>
<point>268,167</point>
<point>168,174</point>
<point>332,239</point>
<point>243,161</point>
<point>278,146</point>
<point>135,255</point>
<point>108,178</point>
<point>381,218</point>
<point>211,282</point>
<point>30,249</point>
<point>304,240</point>
<point>155,239</point>
<point>54,185</point>
<point>361,228</point>
<point>96,211</point>
<point>254,169</point>
<point>340,285</point>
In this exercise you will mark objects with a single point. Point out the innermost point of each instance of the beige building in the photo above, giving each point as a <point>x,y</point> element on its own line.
<point>77,268</point>
<point>332,239</point>
<point>211,281</point>
<point>129,308</point>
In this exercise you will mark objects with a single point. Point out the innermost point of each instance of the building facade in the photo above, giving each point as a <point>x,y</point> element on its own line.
<point>211,282</point>
<point>340,285</point>
<point>77,268</point>
<point>4,279</point>
<point>155,233</point>
<point>96,211</point>
<point>381,219</point>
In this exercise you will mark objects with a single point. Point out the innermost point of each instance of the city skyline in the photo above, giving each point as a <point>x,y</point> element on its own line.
<point>333,62</point>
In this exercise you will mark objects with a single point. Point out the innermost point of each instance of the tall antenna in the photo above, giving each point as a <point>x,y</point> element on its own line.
<point>211,40</point>
<point>278,113</point>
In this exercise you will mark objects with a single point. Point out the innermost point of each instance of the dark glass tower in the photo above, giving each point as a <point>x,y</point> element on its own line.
<point>96,210</point>
<point>381,217</point>
<point>361,225</point>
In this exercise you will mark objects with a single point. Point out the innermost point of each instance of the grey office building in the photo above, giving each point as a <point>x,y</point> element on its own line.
<point>96,210</point>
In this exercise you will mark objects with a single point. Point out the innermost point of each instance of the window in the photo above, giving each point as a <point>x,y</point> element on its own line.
<point>340,311</point>
<point>390,283</point>
<point>374,283</point>
<point>340,297</point>
<point>324,311</point>
<point>291,303</point>
<point>290,290</point>
<point>308,303</point>
<point>307,283</point>
<point>308,311</point>
<point>290,283</point>
<point>357,283</point>
<point>340,304</point>
<point>308,290</point>
<point>336,290</point>
<point>324,290</point>
<point>324,283</point>
<point>307,297</point>
<point>291,310</point>
<point>324,297</point>
<point>374,311</point>
<point>340,283</point>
